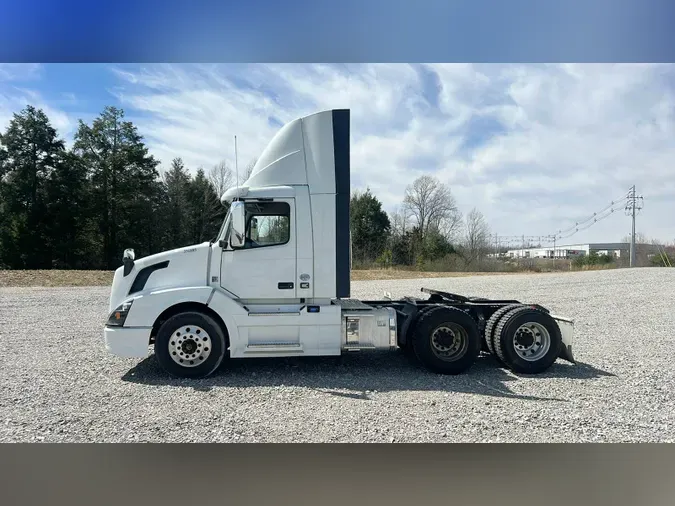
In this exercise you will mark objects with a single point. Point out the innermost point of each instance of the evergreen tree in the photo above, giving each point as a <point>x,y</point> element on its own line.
<point>29,152</point>
<point>124,185</point>
<point>71,230</point>
<point>178,204</point>
<point>370,226</point>
<point>207,213</point>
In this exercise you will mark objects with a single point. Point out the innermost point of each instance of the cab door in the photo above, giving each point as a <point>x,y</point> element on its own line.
<point>265,267</point>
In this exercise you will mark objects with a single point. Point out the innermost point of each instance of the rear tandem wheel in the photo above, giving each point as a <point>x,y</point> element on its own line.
<point>407,348</point>
<point>527,340</point>
<point>446,340</point>
<point>488,333</point>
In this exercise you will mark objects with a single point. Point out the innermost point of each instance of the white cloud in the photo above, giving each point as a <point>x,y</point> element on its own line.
<point>19,71</point>
<point>534,147</point>
<point>564,139</point>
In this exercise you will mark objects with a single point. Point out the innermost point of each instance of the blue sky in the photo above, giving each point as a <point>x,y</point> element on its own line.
<point>348,30</point>
<point>533,147</point>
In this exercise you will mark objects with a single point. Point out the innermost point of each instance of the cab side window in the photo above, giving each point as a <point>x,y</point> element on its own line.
<point>267,224</point>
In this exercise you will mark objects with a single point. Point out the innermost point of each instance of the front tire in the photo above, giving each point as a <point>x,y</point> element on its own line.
<point>446,340</point>
<point>527,340</point>
<point>190,345</point>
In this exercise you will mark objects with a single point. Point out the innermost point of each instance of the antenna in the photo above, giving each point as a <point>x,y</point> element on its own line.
<point>236,166</point>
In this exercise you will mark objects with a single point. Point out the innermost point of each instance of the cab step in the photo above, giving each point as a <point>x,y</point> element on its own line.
<point>274,348</point>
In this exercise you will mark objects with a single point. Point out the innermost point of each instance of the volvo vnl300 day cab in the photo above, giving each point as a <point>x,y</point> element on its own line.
<point>276,282</point>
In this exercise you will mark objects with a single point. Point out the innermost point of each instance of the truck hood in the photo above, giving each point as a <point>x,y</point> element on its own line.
<point>186,266</point>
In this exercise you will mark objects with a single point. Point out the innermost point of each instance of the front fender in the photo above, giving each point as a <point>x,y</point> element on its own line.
<point>229,309</point>
<point>147,306</point>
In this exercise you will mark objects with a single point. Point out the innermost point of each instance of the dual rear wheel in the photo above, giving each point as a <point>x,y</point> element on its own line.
<point>446,340</point>
<point>525,339</point>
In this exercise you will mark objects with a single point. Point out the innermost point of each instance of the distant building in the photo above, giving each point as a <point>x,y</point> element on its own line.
<point>613,249</point>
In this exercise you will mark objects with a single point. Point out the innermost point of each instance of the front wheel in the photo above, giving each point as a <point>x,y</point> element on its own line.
<point>446,340</point>
<point>190,345</point>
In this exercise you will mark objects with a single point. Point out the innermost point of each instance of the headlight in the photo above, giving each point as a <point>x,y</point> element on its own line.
<point>119,315</point>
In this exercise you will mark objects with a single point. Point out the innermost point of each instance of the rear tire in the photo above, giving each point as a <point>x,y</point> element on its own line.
<point>527,340</point>
<point>190,345</point>
<point>446,340</point>
<point>491,324</point>
<point>483,345</point>
<point>407,348</point>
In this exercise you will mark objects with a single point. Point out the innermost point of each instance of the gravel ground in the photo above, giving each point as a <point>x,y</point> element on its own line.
<point>60,385</point>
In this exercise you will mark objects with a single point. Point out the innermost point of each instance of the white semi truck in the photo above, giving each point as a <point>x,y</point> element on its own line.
<point>276,282</point>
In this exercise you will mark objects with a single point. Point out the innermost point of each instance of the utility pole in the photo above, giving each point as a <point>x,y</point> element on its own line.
<point>632,234</point>
<point>631,209</point>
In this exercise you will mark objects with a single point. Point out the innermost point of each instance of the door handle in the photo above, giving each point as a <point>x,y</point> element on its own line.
<point>285,286</point>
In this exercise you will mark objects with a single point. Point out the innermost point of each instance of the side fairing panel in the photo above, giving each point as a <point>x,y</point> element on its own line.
<point>305,247</point>
<point>323,228</point>
<point>228,309</point>
<point>259,332</point>
<point>319,156</point>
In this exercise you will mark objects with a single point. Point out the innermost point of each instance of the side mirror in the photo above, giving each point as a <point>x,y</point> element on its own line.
<point>238,230</point>
<point>128,260</point>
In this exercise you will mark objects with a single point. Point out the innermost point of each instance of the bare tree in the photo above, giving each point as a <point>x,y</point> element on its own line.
<point>221,177</point>
<point>431,204</point>
<point>400,220</point>
<point>644,247</point>
<point>640,238</point>
<point>476,236</point>
<point>246,173</point>
<point>451,225</point>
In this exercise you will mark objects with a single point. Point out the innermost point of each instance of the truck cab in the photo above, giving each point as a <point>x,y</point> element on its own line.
<point>276,281</point>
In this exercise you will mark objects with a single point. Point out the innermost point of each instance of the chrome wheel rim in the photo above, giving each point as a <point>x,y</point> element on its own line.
<point>190,346</point>
<point>449,342</point>
<point>532,341</point>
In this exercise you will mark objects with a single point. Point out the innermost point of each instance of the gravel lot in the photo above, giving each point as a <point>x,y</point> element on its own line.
<point>60,385</point>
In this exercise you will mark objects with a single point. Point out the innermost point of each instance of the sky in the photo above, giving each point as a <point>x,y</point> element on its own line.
<point>535,148</point>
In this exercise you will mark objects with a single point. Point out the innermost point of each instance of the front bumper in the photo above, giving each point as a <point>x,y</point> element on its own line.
<point>567,331</point>
<point>130,342</point>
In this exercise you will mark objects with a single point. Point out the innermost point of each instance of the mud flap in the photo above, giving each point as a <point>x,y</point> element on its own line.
<point>567,331</point>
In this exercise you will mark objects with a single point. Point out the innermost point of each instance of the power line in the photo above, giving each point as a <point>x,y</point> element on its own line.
<point>628,201</point>
<point>591,219</point>
<point>598,217</point>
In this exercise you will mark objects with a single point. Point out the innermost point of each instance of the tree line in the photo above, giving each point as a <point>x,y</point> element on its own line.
<point>427,230</point>
<point>80,207</point>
